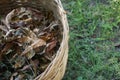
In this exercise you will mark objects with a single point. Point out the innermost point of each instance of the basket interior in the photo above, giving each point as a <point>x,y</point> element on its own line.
<point>7,6</point>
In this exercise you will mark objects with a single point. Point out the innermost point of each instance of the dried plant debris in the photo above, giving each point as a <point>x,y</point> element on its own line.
<point>29,40</point>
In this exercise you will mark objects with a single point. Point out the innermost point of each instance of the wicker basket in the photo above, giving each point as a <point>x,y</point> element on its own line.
<point>56,69</point>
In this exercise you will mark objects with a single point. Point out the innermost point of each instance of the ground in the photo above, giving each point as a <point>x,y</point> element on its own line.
<point>94,45</point>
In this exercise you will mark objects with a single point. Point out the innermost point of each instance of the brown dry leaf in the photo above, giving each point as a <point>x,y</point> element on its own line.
<point>24,39</point>
<point>35,64</point>
<point>19,62</point>
<point>3,28</point>
<point>52,25</point>
<point>29,33</point>
<point>9,17</point>
<point>17,65</point>
<point>18,49</point>
<point>9,39</point>
<point>30,54</point>
<point>50,56</point>
<point>46,36</point>
<point>17,76</point>
<point>50,50</point>
<point>40,50</point>
<point>7,47</point>
<point>37,43</point>
<point>13,75</point>
<point>37,14</point>
<point>43,66</point>
<point>26,67</point>
<point>50,46</point>
<point>36,30</point>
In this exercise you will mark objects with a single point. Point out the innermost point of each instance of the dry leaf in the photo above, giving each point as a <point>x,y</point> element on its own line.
<point>29,33</point>
<point>4,28</point>
<point>19,62</point>
<point>14,75</point>
<point>24,39</point>
<point>50,46</point>
<point>46,36</point>
<point>34,45</point>
<point>7,46</point>
<point>8,18</point>
<point>26,67</point>
<point>44,66</point>
<point>30,54</point>
<point>35,64</point>
<point>50,56</point>
<point>51,26</point>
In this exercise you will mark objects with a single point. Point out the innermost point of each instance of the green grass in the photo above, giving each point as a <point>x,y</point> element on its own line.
<point>94,32</point>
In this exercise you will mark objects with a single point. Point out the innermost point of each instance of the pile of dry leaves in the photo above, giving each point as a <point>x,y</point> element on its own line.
<point>29,40</point>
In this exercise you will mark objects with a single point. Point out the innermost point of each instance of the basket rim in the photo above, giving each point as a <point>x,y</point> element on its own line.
<point>64,40</point>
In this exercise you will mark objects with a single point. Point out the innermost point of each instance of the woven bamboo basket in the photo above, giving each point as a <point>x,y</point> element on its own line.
<point>56,69</point>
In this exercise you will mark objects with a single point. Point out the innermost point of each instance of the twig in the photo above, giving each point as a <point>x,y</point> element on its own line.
<point>30,66</point>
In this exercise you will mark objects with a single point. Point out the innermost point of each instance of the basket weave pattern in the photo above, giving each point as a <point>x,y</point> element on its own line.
<point>56,69</point>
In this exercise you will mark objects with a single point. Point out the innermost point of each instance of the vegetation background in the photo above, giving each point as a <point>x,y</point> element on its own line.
<point>94,44</point>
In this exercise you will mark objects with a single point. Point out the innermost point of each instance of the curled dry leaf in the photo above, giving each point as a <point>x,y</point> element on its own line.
<point>50,50</point>
<point>44,66</point>
<point>14,75</point>
<point>29,33</point>
<point>17,76</point>
<point>3,28</point>
<point>51,26</point>
<point>19,61</point>
<point>24,39</point>
<point>50,46</point>
<point>5,50</point>
<point>34,45</point>
<point>7,47</point>
<point>9,17</point>
<point>26,67</point>
<point>35,64</point>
